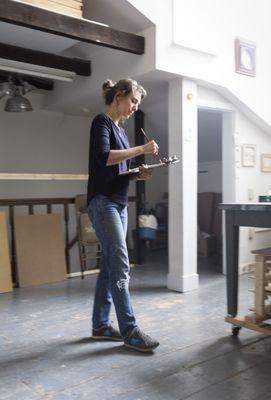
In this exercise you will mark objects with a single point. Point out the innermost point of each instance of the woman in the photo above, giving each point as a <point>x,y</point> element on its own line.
<point>110,154</point>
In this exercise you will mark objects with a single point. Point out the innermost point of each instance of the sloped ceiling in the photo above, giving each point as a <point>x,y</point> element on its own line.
<point>118,14</point>
<point>35,40</point>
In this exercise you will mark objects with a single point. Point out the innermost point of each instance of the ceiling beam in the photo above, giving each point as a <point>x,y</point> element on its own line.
<point>80,67</point>
<point>75,28</point>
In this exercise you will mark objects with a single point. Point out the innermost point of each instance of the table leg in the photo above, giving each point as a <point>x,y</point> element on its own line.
<point>232,248</point>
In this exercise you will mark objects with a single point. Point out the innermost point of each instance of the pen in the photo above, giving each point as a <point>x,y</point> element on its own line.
<point>144,133</point>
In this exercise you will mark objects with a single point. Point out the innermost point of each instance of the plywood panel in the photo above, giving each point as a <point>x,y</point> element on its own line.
<point>69,7</point>
<point>67,3</point>
<point>76,4</point>
<point>40,249</point>
<point>5,270</point>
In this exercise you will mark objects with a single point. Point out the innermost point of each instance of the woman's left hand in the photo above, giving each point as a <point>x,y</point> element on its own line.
<point>144,172</point>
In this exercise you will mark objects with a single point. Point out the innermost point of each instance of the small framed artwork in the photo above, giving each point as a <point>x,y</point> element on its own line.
<point>245,57</point>
<point>248,155</point>
<point>266,162</point>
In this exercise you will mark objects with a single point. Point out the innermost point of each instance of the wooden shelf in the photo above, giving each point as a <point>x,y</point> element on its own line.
<point>68,7</point>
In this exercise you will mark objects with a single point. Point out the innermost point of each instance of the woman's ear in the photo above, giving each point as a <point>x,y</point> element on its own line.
<point>117,97</point>
<point>120,94</point>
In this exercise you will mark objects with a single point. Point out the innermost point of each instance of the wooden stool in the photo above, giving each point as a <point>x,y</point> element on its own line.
<point>262,277</point>
<point>259,319</point>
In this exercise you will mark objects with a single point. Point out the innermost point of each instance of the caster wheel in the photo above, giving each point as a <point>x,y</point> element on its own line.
<point>235,330</point>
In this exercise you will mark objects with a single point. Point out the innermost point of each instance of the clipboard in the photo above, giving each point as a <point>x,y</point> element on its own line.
<point>164,163</point>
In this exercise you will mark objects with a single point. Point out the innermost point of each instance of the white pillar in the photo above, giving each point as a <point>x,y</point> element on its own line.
<point>182,141</point>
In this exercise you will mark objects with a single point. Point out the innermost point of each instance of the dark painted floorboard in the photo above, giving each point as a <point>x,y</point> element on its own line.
<point>46,351</point>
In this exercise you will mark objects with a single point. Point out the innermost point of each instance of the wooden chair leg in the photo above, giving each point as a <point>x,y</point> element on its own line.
<point>260,286</point>
<point>81,260</point>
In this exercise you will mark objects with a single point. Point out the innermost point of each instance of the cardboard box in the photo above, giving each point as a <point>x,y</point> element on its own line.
<point>207,245</point>
<point>5,269</point>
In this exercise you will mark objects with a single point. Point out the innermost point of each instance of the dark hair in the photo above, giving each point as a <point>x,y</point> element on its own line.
<point>123,87</point>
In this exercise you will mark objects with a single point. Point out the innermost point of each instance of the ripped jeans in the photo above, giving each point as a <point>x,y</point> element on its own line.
<point>109,220</point>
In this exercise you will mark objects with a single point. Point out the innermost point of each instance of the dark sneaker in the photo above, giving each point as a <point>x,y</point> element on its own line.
<point>138,340</point>
<point>106,333</point>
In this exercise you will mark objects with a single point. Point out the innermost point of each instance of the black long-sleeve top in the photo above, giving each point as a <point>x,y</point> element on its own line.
<point>103,179</point>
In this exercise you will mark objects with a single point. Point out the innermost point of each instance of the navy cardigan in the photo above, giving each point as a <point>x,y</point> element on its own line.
<point>103,179</point>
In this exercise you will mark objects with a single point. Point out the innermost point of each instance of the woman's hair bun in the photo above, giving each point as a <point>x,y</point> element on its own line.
<point>123,88</point>
<point>108,84</point>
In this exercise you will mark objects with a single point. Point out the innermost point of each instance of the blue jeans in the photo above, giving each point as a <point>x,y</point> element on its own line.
<point>109,220</point>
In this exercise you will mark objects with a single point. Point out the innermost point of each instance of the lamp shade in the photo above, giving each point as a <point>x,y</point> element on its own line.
<point>17,103</point>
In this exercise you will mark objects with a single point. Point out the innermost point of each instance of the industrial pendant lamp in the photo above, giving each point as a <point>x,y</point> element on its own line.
<point>17,103</point>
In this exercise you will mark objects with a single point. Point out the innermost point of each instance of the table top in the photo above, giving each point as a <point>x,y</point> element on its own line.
<point>263,206</point>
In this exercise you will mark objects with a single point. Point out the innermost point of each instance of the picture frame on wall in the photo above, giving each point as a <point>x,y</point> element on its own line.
<point>266,162</point>
<point>248,155</point>
<point>245,57</point>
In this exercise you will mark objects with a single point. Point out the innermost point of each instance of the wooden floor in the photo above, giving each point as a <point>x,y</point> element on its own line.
<point>46,351</point>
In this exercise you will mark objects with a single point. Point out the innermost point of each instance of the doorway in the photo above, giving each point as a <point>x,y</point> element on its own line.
<point>210,191</point>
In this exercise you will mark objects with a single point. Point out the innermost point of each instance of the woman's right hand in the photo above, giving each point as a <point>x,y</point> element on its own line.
<point>151,147</point>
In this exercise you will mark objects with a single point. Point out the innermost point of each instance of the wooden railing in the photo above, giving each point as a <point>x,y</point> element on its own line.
<point>31,203</point>
<point>49,203</point>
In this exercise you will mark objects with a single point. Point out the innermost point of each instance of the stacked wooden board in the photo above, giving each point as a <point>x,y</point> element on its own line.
<point>5,269</point>
<point>40,249</point>
<point>69,7</point>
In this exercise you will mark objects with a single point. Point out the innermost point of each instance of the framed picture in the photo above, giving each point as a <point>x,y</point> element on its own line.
<point>266,162</point>
<point>245,57</point>
<point>248,155</point>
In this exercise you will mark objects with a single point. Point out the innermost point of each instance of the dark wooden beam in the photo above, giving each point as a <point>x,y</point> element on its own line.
<point>80,67</point>
<point>78,29</point>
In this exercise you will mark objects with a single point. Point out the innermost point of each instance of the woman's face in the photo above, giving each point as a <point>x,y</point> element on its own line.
<point>127,105</point>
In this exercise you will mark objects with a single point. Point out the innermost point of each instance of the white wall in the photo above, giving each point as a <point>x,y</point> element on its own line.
<point>251,178</point>
<point>237,179</point>
<point>196,40</point>
<point>44,142</point>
